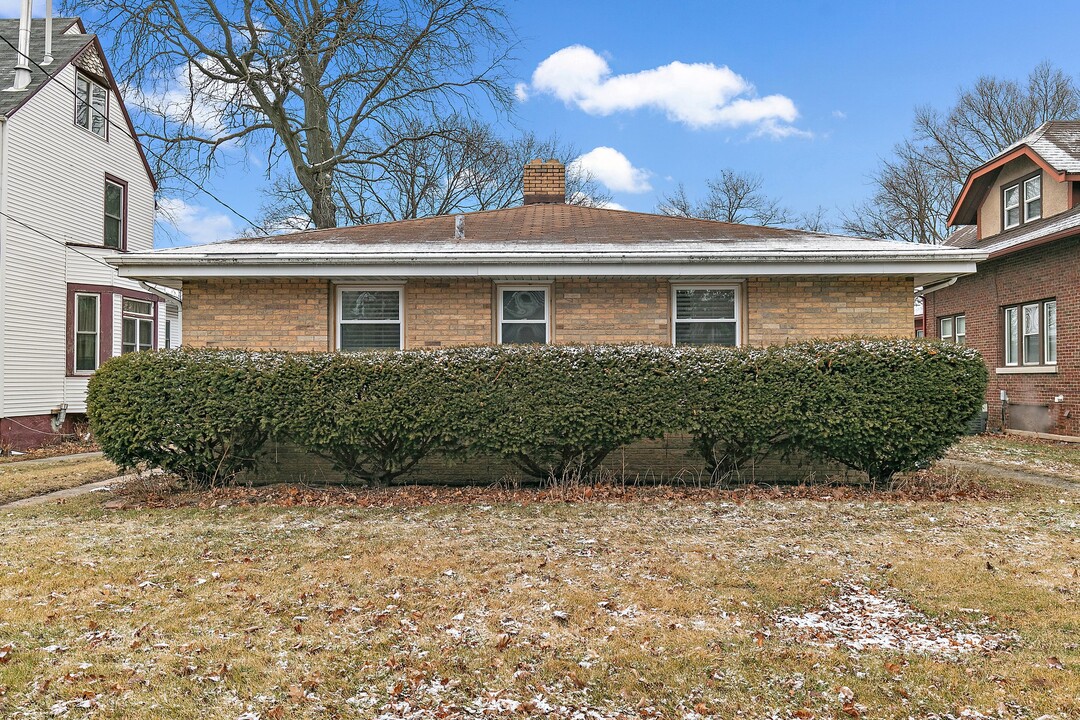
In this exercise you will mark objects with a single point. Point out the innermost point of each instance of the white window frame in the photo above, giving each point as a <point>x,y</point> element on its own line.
<point>1046,332</point>
<point>90,111</point>
<point>1024,334</point>
<point>140,319</point>
<point>1017,350</point>
<point>947,336</point>
<point>1028,200</point>
<point>338,322</point>
<point>1006,207</point>
<point>727,286</point>
<point>546,289</point>
<point>96,333</point>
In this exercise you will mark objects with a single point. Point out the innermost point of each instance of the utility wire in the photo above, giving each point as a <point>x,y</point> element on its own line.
<point>124,131</point>
<point>63,244</point>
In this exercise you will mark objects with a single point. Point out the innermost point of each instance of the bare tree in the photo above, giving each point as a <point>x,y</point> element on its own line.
<point>914,189</point>
<point>330,90</point>
<point>465,167</point>
<point>733,197</point>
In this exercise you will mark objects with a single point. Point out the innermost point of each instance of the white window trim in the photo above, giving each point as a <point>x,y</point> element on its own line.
<point>1028,200</point>
<point>1024,334</point>
<point>1019,335</point>
<point>90,101</point>
<point>1005,207</point>
<point>1046,334</point>
<point>951,336</point>
<point>97,334</point>
<point>727,286</point>
<point>139,318</point>
<point>546,289</point>
<point>338,322</point>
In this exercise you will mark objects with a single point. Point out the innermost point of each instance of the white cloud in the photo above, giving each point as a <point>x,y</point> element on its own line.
<point>196,224</point>
<point>839,114</point>
<point>614,170</point>
<point>699,95</point>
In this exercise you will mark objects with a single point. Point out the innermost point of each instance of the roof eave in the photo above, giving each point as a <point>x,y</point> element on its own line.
<point>965,213</point>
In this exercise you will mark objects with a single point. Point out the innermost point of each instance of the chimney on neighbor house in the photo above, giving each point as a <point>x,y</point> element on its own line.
<point>22,60</point>
<point>545,182</point>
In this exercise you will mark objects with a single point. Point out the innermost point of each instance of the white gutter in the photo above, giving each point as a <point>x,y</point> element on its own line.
<point>934,287</point>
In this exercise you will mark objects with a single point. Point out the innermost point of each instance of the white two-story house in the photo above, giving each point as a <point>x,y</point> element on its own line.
<point>75,190</point>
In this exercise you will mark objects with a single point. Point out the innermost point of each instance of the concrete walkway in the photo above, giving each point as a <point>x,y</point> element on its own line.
<point>997,471</point>
<point>102,486</point>
<point>57,458</point>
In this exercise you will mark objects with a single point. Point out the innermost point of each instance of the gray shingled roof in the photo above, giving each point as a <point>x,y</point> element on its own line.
<point>1066,224</point>
<point>1057,142</point>
<point>65,48</point>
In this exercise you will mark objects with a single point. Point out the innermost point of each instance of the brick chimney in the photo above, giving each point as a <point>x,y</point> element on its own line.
<point>545,182</point>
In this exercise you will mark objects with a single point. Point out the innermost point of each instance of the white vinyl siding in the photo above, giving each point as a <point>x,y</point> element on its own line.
<point>52,179</point>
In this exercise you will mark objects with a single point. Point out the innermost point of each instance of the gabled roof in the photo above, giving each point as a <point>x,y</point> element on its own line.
<point>65,49</point>
<point>548,240</point>
<point>67,46</point>
<point>1030,234</point>
<point>1054,146</point>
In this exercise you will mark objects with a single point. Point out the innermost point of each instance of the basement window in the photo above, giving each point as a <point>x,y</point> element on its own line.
<point>524,316</point>
<point>706,316</point>
<point>369,318</point>
<point>91,105</point>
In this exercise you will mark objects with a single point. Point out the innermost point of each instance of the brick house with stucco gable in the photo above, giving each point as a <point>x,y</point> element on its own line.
<point>547,271</point>
<point>1021,309</point>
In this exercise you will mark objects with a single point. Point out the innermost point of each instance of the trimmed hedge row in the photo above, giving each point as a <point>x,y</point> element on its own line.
<point>879,406</point>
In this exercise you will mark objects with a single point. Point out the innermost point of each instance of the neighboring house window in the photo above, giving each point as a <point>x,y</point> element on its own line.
<point>369,318</point>
<point>523,316</point>
<point>87,332</point>
<point>1021,202</point>
<point>168,334</point>
<point>1031,333</point>
<point>138,328</point>
<point>91,105</point>
<point>706,316</point>
<point>115,213</point>
<point>953,329</point>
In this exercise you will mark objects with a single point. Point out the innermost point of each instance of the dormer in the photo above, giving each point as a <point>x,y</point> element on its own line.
<point>1036,178</point>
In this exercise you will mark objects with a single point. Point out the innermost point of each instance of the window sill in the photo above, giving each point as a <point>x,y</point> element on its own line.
<point>1027,370</point>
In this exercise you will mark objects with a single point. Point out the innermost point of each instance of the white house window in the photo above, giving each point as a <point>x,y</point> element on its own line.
<point>1031,333</point>
<point>1022,201</point>
<point>138,328</point>
<point>706,316</point>
<point>369,318</point>
<point>1033,198</point>
<point>114,214</point>
<point>87,332</point>
<point>1050,324</point>
<point>91,105</point>
<point>524,316</point>
<point>954,329</point>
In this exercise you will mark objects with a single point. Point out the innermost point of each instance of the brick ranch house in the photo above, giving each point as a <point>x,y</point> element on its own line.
<point>545,272</point>
<point>1021,309</point>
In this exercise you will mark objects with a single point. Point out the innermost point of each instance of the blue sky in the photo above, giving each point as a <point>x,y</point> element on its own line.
<point>833,86</point>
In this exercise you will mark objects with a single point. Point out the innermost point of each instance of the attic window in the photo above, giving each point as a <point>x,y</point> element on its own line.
<point>91,105</point>
<point>1022,198</point>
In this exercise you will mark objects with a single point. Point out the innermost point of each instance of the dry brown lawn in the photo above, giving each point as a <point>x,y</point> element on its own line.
<point>664,608</point>
<point>1055,459</point>
<point>20,480</point>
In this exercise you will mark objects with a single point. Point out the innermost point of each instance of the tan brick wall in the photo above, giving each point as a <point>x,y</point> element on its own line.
<point>276,314</point>
<point>544,181</point>
<point>295,314</point>
<point>783,310</point>
<point>589,310</point>
<point>440,313</point>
